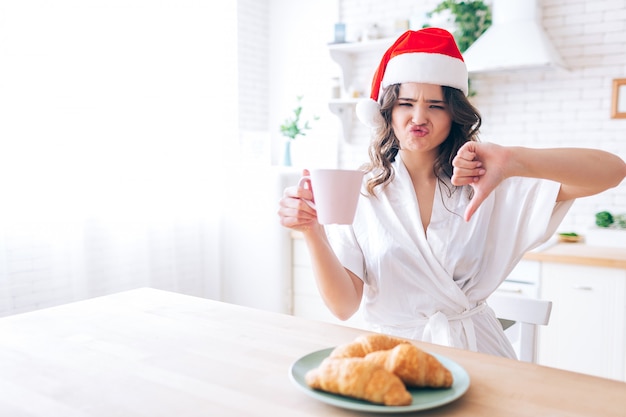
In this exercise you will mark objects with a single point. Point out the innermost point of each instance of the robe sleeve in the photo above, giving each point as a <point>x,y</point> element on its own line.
<point>526,208</point>
<point>524,215</point>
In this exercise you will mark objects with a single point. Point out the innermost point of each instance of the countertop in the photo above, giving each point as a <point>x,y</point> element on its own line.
<point>148,352</point>
<point>581,254</point>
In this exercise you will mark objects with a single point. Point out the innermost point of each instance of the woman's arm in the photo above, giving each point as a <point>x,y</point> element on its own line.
<point>581,172</point>
<point>340,289</point>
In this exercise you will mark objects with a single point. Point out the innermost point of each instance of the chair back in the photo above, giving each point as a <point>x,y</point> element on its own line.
<point>527,313</point>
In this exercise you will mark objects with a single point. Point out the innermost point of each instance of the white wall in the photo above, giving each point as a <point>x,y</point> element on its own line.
<point>113,116</point>
<point>556,109</point>
<point>300,65</point>
<point>121,123</point>
<point>282,54</point>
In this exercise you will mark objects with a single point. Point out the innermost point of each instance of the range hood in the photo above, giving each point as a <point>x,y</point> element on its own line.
<point>515,40</point>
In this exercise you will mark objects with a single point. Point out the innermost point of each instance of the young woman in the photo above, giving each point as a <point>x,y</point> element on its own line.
<point>443,218</point>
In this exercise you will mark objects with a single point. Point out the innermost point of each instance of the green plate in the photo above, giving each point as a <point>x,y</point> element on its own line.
<point>422,398</point>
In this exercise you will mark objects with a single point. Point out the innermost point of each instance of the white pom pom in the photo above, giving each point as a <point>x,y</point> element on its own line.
<point>368,112</point>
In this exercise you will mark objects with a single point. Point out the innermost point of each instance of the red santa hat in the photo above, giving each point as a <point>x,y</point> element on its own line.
<point>428,56</point>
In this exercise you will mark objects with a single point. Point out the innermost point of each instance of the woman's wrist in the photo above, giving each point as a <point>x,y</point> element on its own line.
<point>515,161</point>
<point>314,231</point>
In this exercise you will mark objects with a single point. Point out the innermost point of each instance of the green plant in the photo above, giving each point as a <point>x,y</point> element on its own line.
<point>604,219</point>
<point>472,19</point>
<point>291,127</point>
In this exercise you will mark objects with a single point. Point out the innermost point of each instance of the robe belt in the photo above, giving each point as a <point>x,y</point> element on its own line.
<point>436,328</point>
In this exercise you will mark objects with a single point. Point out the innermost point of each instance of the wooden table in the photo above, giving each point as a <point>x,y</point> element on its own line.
<point>154,353</point>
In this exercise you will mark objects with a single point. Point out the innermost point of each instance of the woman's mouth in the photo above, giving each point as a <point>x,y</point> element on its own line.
<point>419,131</point>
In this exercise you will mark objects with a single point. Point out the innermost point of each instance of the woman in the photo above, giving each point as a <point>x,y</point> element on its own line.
<point>443,218</point>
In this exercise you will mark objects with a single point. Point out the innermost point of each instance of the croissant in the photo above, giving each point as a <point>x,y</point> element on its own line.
<point>359,378</point>
<point>413,366</point>
<point>365,344</point>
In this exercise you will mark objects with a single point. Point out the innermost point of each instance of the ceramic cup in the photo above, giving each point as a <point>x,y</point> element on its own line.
<point>336,194</point>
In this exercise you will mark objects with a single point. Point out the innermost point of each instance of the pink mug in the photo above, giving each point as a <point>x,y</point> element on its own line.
<point>336,194</point>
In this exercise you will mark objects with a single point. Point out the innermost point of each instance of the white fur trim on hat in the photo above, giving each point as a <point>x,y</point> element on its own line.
<point>368,112</point>
<point>428,68</point>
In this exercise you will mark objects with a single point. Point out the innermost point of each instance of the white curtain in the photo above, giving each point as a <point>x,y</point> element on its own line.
<point>113,119</point>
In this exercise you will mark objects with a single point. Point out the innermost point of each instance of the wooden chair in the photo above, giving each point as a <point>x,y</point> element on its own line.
<point>520,317</point>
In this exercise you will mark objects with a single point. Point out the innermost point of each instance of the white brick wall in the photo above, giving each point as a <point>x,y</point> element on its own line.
<point>538,108</point>
<point>253,52</point>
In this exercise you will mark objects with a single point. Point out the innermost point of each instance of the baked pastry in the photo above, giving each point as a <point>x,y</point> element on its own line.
<point>359,378</point>
<point>415,367</point>
<point>365,344</point>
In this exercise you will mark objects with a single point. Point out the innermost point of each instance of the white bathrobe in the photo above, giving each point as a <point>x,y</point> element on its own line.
<point>433,286</point>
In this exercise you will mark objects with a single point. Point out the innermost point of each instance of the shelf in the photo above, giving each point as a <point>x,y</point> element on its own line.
<point>343,54</point>
<point>367,46</point>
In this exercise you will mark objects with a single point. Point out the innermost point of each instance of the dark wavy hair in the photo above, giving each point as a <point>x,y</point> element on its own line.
<point>385,146</point>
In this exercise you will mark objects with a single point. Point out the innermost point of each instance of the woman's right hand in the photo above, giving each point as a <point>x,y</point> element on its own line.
<point>294,212</point>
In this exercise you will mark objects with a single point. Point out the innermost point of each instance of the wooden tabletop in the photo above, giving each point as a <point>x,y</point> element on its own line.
<point>148,352</point>
<point>581,254</point>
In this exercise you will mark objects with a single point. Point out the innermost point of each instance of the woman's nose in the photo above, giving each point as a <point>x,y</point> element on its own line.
<point>419,115</point>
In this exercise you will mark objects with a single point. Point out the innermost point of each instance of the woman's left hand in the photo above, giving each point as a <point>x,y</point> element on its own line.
<point>482,166</point>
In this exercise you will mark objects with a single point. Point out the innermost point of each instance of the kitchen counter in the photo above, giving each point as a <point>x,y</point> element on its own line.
<point>148,352</point>
<point>581,254</point>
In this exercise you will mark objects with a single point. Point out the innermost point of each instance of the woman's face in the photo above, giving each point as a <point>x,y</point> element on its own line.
<point>420,118</point>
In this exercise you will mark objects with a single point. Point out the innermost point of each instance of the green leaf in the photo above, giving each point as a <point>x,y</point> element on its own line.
<point>604,219</point>
<point>291,126</point>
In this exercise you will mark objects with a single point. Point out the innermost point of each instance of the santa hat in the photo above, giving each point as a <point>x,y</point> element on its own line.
<point>428,56</point>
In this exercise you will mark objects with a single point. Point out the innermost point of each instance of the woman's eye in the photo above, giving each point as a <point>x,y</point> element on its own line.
<point>437,107</point>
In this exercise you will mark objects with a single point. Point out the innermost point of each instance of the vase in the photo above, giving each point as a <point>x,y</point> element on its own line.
<point>287,153</point>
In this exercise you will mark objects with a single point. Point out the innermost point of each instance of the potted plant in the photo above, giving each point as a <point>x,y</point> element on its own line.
<point>293,127</point>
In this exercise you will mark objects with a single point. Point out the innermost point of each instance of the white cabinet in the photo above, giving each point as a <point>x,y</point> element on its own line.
<point>523,280</point>
<point>306,300</point>
<point>587,329</point>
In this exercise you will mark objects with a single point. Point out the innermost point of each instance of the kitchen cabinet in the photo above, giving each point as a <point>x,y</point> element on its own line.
<point>587,329</point>
<point>523,280</point>
<point>305,298</point>
<point>350,56</point>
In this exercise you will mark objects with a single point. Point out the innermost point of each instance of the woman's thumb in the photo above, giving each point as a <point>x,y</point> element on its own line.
<point>474,203</point>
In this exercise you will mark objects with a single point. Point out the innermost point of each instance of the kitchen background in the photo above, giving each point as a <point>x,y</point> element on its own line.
<point>140,141</point>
